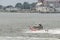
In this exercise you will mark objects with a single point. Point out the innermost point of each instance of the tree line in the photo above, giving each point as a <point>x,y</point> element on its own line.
<point>25,5</point>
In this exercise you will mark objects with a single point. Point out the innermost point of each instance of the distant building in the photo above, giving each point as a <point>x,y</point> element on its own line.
<point>55,3</point>
<point>46,6</point>
<point>44,9</point>
<point>12,9</point>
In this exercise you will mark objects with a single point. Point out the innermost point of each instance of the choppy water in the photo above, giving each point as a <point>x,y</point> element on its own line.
<point>12,24</point>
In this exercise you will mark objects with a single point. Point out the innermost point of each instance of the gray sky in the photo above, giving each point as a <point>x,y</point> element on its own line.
<point>13,2</point>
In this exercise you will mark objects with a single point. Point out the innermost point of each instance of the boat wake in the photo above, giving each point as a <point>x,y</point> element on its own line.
<point>50,31</point>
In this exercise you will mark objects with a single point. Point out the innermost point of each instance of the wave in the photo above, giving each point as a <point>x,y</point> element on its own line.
<point>50,31</point>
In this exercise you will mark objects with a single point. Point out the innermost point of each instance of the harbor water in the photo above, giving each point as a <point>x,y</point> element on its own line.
<point>14,24</point>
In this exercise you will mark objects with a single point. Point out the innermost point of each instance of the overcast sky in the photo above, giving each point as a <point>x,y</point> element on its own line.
<point>13,2</point>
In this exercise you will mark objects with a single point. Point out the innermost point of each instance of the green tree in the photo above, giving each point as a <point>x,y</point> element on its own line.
<point>1,6</point>
<point>33,5</point>
<point>18,5</point>
<point>9,6</point>
<point>26,5</point>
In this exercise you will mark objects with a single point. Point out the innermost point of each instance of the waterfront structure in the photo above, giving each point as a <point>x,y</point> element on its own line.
<point>12,9</point>
<point>47,6</point>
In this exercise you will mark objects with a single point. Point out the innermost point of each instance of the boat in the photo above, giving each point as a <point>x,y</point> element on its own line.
<point>36,27</point>
<point>39,29</point>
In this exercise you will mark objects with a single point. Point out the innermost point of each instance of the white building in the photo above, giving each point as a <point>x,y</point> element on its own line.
<point>12,9</point>
<point>44,7</point>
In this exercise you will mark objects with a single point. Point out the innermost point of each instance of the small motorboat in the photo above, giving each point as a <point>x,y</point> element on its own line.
<point>39,29</point>
<point>36,27</point>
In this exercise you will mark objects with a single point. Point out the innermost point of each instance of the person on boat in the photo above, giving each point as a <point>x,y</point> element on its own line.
<point>39,27</point>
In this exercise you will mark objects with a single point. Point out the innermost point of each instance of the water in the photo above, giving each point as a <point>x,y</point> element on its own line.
<point>27,38</point>
<point>13,24</point>
<point>29,19</point>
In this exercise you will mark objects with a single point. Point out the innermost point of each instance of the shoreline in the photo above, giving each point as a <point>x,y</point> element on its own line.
<point>34,12</point>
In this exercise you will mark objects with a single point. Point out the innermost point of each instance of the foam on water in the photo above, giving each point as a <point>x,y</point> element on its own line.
<point>50,31</point>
